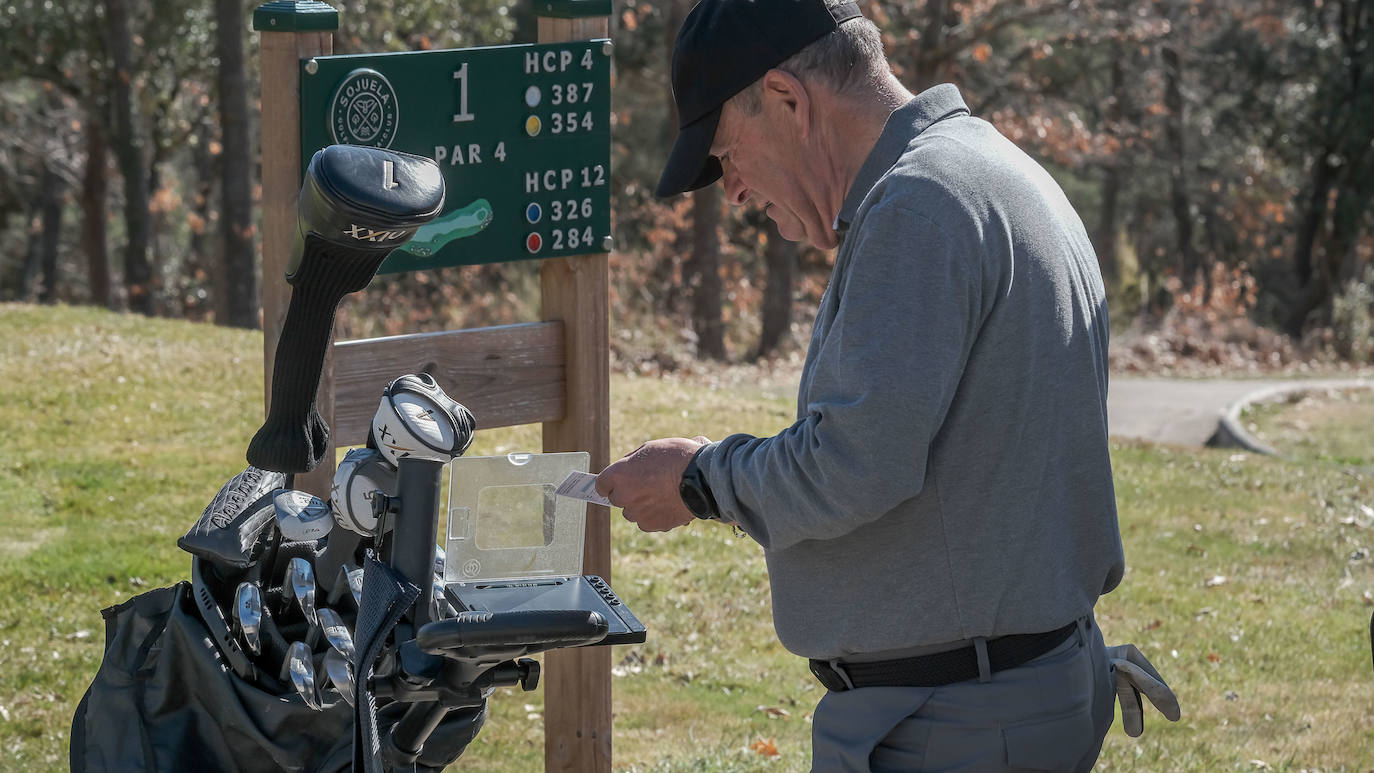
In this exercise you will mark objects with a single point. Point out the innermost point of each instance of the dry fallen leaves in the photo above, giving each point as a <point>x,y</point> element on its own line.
<point>765,747</point>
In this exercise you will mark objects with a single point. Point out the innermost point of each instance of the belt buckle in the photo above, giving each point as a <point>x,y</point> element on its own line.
<point>831,675</point>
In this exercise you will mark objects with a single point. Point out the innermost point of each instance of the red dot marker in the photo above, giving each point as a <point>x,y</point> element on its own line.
<point>534,243</point>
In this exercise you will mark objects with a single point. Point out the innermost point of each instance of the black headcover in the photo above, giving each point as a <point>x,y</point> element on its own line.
<point>232,528</point>
<point>356,206</point>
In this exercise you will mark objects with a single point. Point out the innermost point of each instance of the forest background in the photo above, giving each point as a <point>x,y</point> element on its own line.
<point>1220,152</point>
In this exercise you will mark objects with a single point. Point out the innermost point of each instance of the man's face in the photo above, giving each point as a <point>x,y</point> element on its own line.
<point>761,158</point>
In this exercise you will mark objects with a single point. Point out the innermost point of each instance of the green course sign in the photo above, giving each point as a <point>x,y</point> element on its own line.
<point>522,134</point>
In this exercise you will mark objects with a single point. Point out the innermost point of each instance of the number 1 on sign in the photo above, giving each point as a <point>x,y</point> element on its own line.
<point>461,75</point>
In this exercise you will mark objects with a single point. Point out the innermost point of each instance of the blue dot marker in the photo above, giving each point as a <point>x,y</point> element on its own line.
<point>533,213</point>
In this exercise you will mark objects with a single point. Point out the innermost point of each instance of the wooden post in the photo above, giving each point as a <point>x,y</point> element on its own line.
<point>291,30</point>
<point>577,685</point>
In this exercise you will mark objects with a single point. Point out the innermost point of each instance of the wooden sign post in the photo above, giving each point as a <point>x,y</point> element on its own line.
<point>577,690</point>
<point>291,30</point>
<point>555,372</point>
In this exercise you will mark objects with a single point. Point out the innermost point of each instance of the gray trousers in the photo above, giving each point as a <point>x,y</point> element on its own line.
<point>1050,713</point>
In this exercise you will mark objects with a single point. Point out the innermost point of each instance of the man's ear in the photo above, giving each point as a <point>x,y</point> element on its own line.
<point>789,95</point>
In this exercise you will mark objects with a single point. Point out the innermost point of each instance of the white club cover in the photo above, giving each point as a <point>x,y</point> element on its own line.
<point>359,477</point>
<point>301,517</point>
<point>416,418</point>
<point>1135,675</point>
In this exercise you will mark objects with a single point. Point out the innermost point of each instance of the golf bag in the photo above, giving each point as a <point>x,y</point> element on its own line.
<point>177,690</point>
<point>228,672</point>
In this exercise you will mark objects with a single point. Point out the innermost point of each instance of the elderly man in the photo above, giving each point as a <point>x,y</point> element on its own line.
<point>940,520</point>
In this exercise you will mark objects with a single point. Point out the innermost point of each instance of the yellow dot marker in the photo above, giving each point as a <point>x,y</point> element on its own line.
<point>532,125</point>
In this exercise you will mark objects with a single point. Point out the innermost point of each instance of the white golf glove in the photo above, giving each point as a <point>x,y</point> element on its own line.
<point>1135,675</point>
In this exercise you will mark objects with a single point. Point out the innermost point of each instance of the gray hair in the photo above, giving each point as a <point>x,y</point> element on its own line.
<point>841,60</point>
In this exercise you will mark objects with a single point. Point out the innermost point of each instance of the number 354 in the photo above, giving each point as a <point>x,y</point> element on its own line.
<point>571,122</point>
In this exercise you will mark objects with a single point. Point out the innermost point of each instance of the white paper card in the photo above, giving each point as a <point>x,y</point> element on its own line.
<point>581,485</point>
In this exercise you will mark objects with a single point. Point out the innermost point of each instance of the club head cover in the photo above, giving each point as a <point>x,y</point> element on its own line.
<point>417,419</point>
<point>231,530</point>
<point>357,204</point>
<point>362,474</point>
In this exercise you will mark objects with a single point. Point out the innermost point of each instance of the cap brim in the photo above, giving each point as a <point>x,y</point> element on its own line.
<point>690,164</point>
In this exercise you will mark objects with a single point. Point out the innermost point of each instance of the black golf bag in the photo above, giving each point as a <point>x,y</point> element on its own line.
<point>185,684</point>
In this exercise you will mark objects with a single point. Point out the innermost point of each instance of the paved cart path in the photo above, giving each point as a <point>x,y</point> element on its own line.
<point>1186,412</point>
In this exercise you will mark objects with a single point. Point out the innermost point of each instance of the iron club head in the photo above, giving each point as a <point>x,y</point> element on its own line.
<point>301,576</point>
<point>340,672</point>
<point>248,615</point>
<point>355,585</point>
<point>302,668</point>
<point>336,632</point>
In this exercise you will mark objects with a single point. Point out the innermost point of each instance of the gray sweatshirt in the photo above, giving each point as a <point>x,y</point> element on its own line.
<point>948,474</point>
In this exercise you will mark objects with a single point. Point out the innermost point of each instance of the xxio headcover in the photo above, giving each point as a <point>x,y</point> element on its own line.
<point>416,419</point>
<point>362,474</point>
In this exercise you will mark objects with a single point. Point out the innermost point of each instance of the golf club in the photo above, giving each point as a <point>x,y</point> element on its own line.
<point>248,615</point>
<point>362,475</point>
<point>355,585</point>
<point>340,672</point>
<point>300,516</point>
<point>302,670</point>
<point>336,632</point>
<point>301,577</point>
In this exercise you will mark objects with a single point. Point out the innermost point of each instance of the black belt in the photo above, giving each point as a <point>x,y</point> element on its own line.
<point>939,668</point>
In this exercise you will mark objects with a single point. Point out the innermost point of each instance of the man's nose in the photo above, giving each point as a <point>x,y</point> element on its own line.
<point>735,190</point>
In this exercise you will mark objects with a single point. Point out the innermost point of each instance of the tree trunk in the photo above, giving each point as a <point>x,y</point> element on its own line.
<point>130,153</point>
<point>527,23</point>
<point>201,258</point>
<point>1304,246</point>
<point>1178,166</point>
<point>677,14</point>
<point>236,208</point>
<point>95,184</point>
<point>928,66</point>
<point>1107,224</point>
<point>704,274</point>
<point>33,254</point>
<point>780,260</point>
<point>50,201</point>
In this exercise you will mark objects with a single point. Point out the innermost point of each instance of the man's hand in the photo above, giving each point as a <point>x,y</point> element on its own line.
<point>644,484</point>
<point>1135,675</point>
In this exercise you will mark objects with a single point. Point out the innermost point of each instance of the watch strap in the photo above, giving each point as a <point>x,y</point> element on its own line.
<point>696,492</point>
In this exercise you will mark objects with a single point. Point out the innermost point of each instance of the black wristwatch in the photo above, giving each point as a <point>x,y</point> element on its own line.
<point>695,492</point>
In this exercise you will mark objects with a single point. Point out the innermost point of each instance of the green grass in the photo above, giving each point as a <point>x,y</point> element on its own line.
<point>1334,426</point>
<point>1254,571</point>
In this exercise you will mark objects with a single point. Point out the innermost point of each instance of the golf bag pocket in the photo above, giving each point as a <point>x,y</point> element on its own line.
<point>164,700</point>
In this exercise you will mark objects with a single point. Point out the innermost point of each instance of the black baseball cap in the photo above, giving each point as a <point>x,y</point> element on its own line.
<point>723,47</point>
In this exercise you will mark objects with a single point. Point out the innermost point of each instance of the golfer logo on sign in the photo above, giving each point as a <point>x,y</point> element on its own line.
<point>364,110</point>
